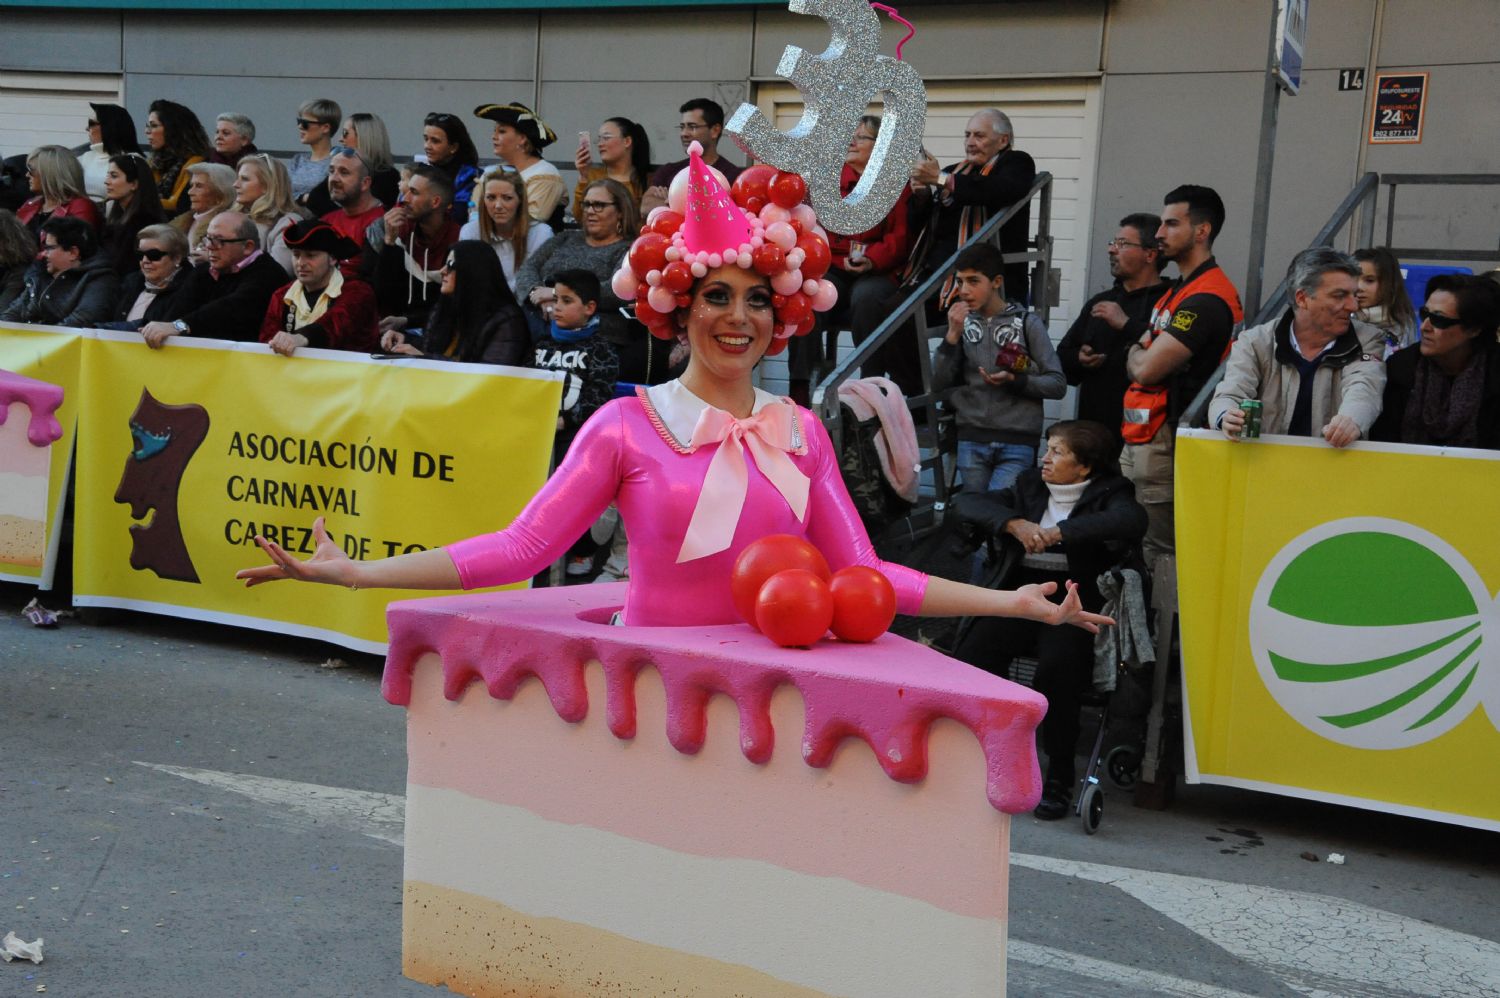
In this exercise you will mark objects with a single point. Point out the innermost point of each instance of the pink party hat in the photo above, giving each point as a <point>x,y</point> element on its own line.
<point>712,222</point>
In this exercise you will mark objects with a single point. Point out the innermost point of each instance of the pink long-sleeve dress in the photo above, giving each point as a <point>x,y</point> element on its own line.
<point>636,452</point>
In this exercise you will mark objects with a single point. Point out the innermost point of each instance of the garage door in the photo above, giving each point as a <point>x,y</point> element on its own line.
<point>1056,121</point>
<point>51,108</point>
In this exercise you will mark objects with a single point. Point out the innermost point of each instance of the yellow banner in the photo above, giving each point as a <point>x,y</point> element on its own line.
<point>1339,625</point>
<point>185,454</point>
<point>38,417</point>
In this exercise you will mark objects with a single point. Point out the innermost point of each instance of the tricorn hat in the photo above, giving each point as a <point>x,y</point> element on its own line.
<point>317,235</point>
<point>521,118</point>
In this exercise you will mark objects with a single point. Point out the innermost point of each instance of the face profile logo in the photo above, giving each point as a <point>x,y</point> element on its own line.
<point>164,439</point>
<point>1375,634</point>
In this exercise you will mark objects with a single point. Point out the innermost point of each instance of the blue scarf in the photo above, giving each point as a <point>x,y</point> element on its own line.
<point>574,335</point>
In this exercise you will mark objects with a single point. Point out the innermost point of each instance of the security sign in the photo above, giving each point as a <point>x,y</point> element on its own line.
<point>1400,108</point>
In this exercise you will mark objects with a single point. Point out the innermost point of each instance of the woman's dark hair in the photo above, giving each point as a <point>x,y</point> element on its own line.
<point>1478,301</point>
<point>145,207</point>
<point>181,130</point>
<point>1092,444</point>
<point>460,321</point>
<point>117,129</point>
<point>17,244</point>
<point>1393,296</point>
<point>640,149</point>
<point>457,132</point>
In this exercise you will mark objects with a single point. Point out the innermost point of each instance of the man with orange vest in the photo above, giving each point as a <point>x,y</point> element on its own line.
<point>1178,350</point>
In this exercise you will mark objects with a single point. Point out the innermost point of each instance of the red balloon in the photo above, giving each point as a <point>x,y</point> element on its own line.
<point>796,310</point>
<point>788,190</point>
<point>754,204</point>
<point>683,301</point>
<point>666,222</point>
<point>641,291</point>
<point>864,603</point>
<point>763,558</point>
<point>776,347</point>
<point>769,260</point>
<point>815,257</point>
<point>753,182</point>
<point>807,325</point>
<point>795,607</point>
<point>677,277</point>
<point>648,253</point>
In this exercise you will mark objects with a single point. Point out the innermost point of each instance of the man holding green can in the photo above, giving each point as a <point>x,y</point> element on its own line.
<point>1315,370</point>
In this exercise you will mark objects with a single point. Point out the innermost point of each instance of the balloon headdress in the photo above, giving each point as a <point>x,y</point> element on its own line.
<point>760,224</point>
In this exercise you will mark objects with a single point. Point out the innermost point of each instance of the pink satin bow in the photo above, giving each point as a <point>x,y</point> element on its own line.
<point>770,433</point>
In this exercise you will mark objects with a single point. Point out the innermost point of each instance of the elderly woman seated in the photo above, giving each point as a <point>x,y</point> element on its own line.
<point>153,293</point>
<point>1444,390</point>
<point>234,139</point>
<point>210,191</point>
<point>1074,518</point>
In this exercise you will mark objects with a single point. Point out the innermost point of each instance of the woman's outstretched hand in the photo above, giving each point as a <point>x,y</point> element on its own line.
<point>1032,602</point>
<point>328,564</point>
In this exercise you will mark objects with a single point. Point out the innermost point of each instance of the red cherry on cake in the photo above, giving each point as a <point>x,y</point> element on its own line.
<point>763,558</point>
<point>864,603</point>
<point>794,608</point>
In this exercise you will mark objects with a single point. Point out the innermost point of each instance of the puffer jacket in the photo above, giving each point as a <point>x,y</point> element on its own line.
<point>1262,365</point>
<point>81,296</point>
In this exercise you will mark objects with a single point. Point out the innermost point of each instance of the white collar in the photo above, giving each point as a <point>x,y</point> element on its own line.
<point>679,409</point>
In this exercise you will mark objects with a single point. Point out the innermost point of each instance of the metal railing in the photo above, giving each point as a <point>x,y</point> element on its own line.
<point>1394,180</point>
<point>913,312</point>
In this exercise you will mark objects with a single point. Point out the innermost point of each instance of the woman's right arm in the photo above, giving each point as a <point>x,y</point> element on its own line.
<point>571,500</point>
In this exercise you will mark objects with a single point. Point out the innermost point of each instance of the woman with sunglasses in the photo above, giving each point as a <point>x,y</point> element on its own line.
<point>177,141</point>
<point>153,291</point>
<point>657,456</point>
<point>111,133</point>
<point>317,120</point>
<point>56,182</point>
<point>263,190</point>
<point>447,146</point>
<point>130,204</point>
<point>1444,390</point>
<point>625,157</point>
<point>476,319</point>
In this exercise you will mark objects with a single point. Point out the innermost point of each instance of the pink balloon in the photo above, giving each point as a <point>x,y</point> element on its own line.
<point>794,258</point>
<point>772,213</point>
<point>662,299</point>
<point>787,282</point>
<point>825,297</point>
<point>624,284</point>
<point>804,214</point>
<point>782,235</point>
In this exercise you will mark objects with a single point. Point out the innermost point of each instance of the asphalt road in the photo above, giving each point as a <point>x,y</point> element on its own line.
<point>205,876</point>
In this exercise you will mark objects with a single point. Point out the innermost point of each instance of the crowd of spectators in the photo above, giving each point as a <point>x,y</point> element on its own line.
<point>340,247</point>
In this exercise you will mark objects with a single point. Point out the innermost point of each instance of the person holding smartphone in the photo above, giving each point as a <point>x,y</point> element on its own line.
<point>999,358</point>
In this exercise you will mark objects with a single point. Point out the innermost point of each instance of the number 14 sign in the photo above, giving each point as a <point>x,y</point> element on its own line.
<point>1400,103</point>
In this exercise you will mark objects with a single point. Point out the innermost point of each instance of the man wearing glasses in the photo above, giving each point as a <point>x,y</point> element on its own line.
<point>226,296</point>
<point>1316,370</point>
<point>1093,350</point>
<point>703,122</point>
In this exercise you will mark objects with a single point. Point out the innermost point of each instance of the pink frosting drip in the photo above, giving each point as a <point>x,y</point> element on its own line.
<point>888,693</point>
<point>41,398</point>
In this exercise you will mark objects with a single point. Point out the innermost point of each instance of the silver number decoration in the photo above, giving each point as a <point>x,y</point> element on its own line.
<point>837,87</point>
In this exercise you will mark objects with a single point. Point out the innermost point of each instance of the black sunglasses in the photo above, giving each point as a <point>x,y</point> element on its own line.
<point>440,119</point>
<point>307,122</point>
<point>154,255</point>
<point>93,123</point>
<point>1438,319</point>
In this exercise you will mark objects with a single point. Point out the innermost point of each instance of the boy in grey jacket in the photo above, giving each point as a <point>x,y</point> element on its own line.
<point>1001,358</point>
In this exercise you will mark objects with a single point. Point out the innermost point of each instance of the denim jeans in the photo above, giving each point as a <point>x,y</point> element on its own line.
<point>989,467</point>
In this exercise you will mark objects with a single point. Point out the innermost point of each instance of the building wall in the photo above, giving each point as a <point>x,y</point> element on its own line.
<point>1181,85</point>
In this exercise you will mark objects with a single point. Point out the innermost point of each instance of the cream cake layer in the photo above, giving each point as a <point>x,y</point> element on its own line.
<point>715,803</point>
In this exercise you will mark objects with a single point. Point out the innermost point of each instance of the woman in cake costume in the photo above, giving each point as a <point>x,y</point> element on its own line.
<point>702,466</point>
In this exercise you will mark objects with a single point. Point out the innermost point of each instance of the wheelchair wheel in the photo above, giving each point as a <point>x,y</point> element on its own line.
<point>1122,763</point>
<point>1091,808</point>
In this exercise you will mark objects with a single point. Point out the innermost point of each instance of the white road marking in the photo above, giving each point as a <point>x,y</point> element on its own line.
<point>380,816</point>
<point>1117,974</point>
<point>1317,945</point>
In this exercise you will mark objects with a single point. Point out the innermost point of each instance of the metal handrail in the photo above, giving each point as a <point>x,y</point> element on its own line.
<point>1361,196</point>
<point>1394,180</point>
<point>825,394</point>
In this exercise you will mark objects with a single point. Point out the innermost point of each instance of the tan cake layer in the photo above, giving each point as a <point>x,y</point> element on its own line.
<point>22,541</point>
<point>484,949</point>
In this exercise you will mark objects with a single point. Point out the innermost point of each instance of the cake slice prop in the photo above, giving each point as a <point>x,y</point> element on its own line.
<point>28,429</point>
<point>601,810</point>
